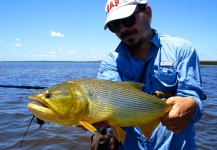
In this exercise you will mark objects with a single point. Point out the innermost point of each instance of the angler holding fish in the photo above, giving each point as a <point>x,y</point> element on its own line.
<point>162,63</point>
<point>139,121</point>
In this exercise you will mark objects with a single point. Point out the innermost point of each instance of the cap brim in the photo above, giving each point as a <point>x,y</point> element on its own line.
<point>120,13</point>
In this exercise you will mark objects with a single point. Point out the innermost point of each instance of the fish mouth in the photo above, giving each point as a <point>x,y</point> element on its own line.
<point>41,109</point>
<point>42,103</point>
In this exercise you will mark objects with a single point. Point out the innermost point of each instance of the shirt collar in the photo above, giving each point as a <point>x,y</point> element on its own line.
<point>156,39</point>
<point>122,47</point>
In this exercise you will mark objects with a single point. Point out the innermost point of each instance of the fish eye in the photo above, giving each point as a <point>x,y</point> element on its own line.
<point>47,95</point>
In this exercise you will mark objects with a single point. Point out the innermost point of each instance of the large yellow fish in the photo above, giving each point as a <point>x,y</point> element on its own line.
<point>87,101</point>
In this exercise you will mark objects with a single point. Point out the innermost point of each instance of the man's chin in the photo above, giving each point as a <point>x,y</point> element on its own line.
<point>132,44</point>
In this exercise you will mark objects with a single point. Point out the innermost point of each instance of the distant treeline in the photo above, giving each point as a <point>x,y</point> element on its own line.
<point>208,62</point>
<point>202,62</point>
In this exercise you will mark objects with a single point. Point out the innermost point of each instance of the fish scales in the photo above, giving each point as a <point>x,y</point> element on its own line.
<point>120,102</point>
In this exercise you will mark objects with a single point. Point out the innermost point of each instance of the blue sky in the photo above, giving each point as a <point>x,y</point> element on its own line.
<point>71,30</point>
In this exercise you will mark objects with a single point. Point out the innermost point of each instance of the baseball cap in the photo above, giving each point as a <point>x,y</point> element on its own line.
<point>118,9</point>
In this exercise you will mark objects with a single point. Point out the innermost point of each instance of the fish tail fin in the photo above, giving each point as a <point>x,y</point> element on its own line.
<point>169,107</point>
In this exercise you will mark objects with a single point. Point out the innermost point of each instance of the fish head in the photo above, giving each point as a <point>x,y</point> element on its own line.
<point>64,103</point>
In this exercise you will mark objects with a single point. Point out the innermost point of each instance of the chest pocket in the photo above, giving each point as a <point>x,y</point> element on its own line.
<point>164,78</point>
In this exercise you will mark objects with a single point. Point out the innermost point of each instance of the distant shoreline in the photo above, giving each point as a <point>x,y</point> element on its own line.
<point>58,61</point>
<point>203,62</point>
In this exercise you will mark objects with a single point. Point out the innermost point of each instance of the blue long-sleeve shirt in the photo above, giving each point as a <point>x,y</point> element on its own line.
<point>172,66</point>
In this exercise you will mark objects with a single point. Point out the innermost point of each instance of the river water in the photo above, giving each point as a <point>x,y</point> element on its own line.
<point>15,117</point>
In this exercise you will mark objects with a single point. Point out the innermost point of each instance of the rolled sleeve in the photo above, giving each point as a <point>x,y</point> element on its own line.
<point>108,68</point>
<point>189,79</point>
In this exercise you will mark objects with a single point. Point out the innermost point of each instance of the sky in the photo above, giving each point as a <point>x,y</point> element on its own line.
<point>72,30</point>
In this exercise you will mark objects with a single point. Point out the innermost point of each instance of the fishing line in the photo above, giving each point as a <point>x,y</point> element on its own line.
<point>26,130</point>
<point>38,121</point>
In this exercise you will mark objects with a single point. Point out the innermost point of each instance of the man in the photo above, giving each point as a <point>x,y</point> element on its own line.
<point>163,63</point>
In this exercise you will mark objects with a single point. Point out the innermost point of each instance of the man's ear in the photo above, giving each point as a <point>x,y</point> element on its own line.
<point>148,12</point>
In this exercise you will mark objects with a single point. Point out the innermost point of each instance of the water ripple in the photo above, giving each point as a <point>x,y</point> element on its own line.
<point>15,116</point>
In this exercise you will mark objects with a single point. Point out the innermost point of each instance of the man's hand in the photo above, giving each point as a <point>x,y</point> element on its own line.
<point>180,116</point>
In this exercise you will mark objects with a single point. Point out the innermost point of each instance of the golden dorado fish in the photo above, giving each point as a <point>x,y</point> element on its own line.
<point>87,101</point>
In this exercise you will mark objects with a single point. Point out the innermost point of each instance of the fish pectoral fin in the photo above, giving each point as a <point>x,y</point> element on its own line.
<point>88,126</point>
<point>119,133</point>
<point>148,128</point>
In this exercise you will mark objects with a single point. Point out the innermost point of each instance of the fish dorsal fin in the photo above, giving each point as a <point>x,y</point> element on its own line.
<point>119,133</point>
<point>148,128</point>
<point>136,85</point>
<point>88,126</point>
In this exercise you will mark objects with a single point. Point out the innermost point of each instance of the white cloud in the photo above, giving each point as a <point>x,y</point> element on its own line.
<point>53,53</point>
<point>60,49</point>
<point>56,34</point>
<point>17,45</point>
<point>72,52</point>
<point>17,39</point>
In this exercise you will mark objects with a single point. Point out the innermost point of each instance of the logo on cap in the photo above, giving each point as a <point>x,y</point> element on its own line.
<point>112,4</point>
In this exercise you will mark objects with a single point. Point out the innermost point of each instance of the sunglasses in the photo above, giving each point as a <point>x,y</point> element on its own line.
<point>114,26</point>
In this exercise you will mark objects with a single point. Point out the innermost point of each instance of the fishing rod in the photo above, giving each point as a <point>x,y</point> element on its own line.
<point>23,87</point>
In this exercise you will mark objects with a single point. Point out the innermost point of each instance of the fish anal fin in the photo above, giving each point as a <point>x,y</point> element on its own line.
<point>136,85</point>
<point>148,128</point>
<point>88,126</point>
<point>119,133</point>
